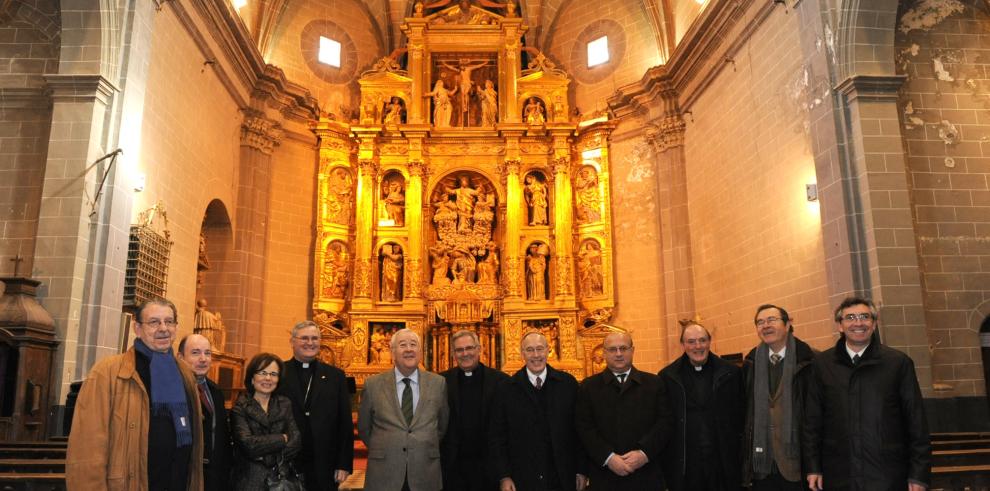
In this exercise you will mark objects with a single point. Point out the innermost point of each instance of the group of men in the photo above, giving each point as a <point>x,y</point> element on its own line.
<point>850,418</point>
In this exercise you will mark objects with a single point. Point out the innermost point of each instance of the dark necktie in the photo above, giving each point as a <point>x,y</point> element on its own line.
<point>775,372</point>
<point>407,401</point>
<point>539,383</point>
<point>855,360</point>
<point>622,378</point>
<point>204,397</point>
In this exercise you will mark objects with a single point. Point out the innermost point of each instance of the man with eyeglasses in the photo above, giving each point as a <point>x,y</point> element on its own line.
<point>623,421</point>
<point>865,426</point>
<point>534,445</point>
<point>704,393</point>
<point>471,388</point>
<point>403,417</point>
<point>137,419</point>
<point>321,406</point>
<point>776,376</point>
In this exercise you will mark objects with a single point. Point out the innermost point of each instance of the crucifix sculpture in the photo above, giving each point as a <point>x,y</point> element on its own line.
<point>17,259</point>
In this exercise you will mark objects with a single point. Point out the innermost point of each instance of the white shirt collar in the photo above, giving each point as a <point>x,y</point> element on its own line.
<point>626,373</point>
<point>854,353</point>
<point>782,352</point>
<point>532,376</point>
<point>413,377</point>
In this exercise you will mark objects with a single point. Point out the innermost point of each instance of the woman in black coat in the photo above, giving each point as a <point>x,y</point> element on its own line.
<point>265,433</point>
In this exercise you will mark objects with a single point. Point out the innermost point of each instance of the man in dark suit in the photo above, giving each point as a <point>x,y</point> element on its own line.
<point>403,417</point>
<point>321,405</point>
<point>196,352</point>
<point>471,390</point>
<point>705,397</point>
<point>623,420</point>
<point>534,445</point>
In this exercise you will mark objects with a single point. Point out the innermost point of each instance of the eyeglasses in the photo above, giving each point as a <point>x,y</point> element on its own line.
<point>156,323</point>
<point>263,374</point>
<point>532,350</point>
<point>308,339</point>
<point>465,349</point>
<point>857,317</point>
<point>618,349</point>
<point>768,320</point>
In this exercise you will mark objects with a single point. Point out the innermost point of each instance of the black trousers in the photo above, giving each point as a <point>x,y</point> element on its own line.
<point>776,482</point>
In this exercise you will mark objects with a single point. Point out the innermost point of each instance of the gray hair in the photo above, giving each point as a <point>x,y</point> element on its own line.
<point>303,325</point>
<point>392,342</point>
<point>464,332</point>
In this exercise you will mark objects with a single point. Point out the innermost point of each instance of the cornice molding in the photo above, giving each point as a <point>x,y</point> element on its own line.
<point>871,87</point>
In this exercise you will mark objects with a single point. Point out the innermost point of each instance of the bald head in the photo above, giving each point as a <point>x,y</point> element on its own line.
<point>618,347</point>
<point>195,351</point>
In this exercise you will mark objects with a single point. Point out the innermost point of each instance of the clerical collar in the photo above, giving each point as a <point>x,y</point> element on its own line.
<point>305,364</point>
<point>468,373</point>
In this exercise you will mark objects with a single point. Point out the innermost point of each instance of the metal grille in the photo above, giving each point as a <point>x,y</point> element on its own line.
<point>147,265</point>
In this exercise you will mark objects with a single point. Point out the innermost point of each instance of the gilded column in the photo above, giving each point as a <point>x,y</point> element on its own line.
<point>563,223</point>
<point>414,220</point>
<point>364,220</point>
<point>510,71</point>
<point>514,219</point>
<point>414,31</point>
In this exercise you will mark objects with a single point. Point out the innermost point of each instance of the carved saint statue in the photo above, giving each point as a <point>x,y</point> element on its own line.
<point>335,269</point>
<point>483,213</point>
<point>395,201</point>
<point>465,197</point>
<point>536,267</point>
<point>534,112</point>
<point>590,275</point>
<point>442,108</point>
<point>465,68</point>
<point>445,216</point>
<point>463,266</point>
<point>586,197</point>
<point>393,112</point>
<point>441,264</point>
<point>391,273</point>
<point>489,105</point>
<point>536,198</point>
<point>209,325</point>
<point>338,198</point>
<point>488,266</point>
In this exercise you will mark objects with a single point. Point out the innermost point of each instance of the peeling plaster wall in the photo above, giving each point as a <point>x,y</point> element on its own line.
<point>755,237</point>
<point>945,125</point>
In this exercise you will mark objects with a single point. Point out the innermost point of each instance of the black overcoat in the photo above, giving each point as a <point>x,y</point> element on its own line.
<point>258,441</point>
<point>865,426</point>
<point>515,430</point>
<point>617,419</point>
<point>728,395</point>
<point>450,444</point>
<point>803,378</point>
<point>217,445</point>
<point>328,430</point>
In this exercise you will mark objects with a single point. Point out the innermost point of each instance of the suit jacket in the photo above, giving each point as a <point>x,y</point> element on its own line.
<point>217,445</point>
<point>328,430</point>
<point>516,432</point>
<point>450,446</point>
<point>397,450</point>
<point>617,419</point>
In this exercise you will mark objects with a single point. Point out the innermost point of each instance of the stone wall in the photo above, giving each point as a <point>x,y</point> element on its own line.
<point>945,128</point>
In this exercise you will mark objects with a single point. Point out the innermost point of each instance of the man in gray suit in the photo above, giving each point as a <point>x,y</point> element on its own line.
<point>402,419</point>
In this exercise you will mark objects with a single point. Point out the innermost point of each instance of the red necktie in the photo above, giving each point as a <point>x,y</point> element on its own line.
<point>204,397</point>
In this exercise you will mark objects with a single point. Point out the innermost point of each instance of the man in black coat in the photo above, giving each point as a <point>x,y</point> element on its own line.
<point>471,388</point>
<point>776,376</point>
<point>534,446</point>
<point>321,406</point>
<point>196,352</point>
<point>705,397</point>
<point>865,426</point>
<point>623,421</point>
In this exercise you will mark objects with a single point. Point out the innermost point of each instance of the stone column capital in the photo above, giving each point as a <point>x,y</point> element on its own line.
<point>80,88</point>
<point>416,168</point>
<point>872,87</point>
<point>260,133</point>
<point>368,167</point>
<point>562,165</point>
<point>666,132</point>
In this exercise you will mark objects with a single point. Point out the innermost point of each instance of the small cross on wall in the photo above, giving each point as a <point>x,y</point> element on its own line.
<point>17,260</point>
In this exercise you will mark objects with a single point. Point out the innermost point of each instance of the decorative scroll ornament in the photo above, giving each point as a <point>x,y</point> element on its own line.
<point>362,278</point>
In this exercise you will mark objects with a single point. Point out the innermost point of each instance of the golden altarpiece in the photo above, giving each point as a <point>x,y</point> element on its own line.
<point>466,197</point>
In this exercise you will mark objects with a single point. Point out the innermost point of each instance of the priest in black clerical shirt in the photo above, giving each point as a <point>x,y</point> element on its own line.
<point>321,405</point>
<point>471,390</point>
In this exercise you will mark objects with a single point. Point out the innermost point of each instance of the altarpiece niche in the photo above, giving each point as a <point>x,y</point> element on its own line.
<point>465,197</point>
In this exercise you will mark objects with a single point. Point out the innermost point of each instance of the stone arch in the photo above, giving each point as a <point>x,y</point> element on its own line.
<point>216,262</point>
<point>865,23</point>
<point>91,22</point>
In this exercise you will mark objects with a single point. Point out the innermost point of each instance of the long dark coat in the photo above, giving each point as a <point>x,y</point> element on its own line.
<point>217,446</point>
<point>803,378</point>
<point>617,419</point>
<point>728,395</point>
<point>514,432</point>
<point>865,426</point>
<point>328,431</point>
<point>450,444</point>
<point>258,439</point>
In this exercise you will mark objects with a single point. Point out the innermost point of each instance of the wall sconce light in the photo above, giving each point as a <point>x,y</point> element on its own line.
<point>811,191</point>
<point>139,182</point>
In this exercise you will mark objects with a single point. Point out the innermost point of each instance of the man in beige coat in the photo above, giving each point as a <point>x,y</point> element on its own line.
<point>136,424</point>
<point>402,419</point>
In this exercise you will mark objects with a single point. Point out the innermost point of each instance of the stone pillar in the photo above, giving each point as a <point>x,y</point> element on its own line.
<point>414,215</point>
<point>420,77</point>
<point>63,248</point>
<point>866,205</point>
<point>563,222</point>
<point>259,137</point>
<point>364,232</point>
<point>509,74</point>
<point>512,263</point>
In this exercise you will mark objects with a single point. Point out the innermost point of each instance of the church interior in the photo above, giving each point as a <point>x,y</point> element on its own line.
<point>502,166</point>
